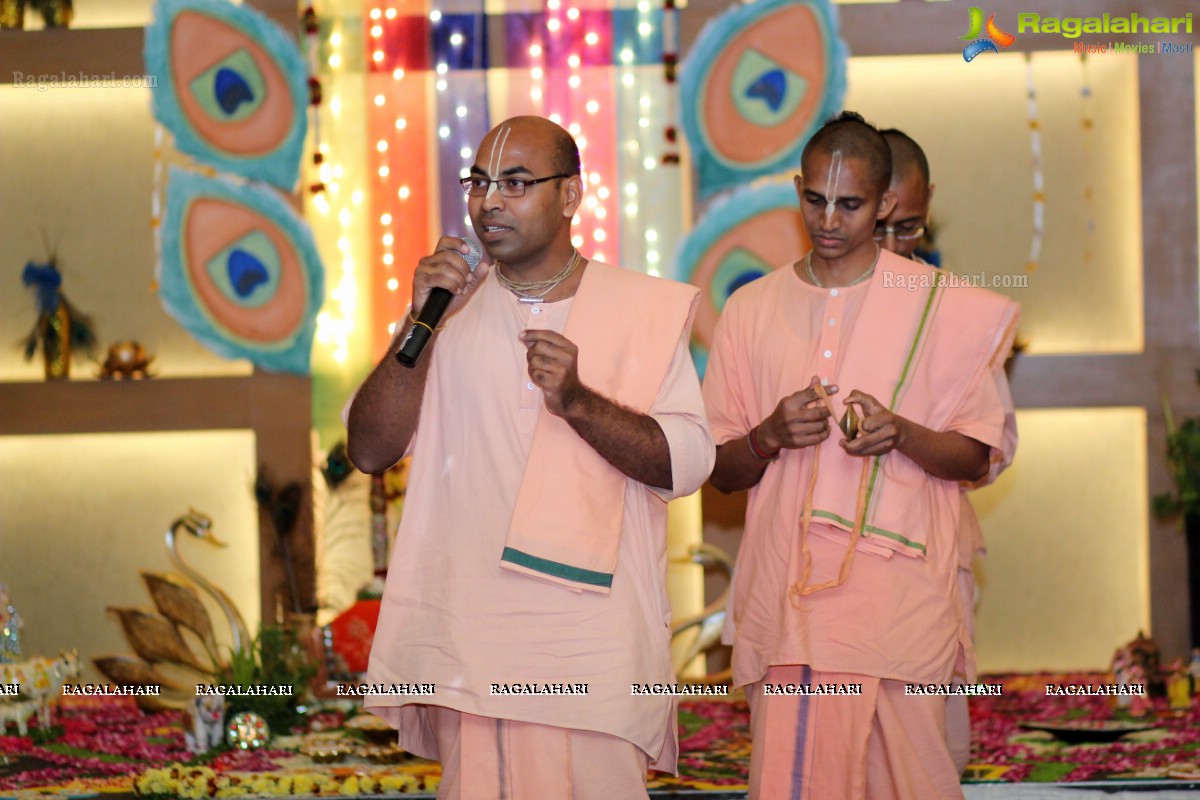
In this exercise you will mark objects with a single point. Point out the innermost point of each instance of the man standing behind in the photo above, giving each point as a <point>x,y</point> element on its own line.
<point>847,573</point>
<point>527,581</point>
<point>901,232</point>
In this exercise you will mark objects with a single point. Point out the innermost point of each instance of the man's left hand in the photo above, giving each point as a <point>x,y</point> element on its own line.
<point>552,360</point>
<point>880,431</point>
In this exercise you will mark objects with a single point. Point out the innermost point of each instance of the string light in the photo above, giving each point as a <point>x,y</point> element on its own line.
<point>335,324</point>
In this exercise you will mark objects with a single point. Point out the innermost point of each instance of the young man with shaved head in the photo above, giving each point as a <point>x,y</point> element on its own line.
<point>527,581</point>
<point>901,232</point>
<point>850,392</point>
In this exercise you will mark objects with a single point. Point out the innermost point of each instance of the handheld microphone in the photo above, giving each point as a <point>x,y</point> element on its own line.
<point>421,331</point>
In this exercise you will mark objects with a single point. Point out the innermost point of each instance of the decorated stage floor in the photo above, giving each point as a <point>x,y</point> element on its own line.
<point>107,747</point>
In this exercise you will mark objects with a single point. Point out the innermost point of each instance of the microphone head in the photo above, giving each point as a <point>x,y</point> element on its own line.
<point>472,258</point>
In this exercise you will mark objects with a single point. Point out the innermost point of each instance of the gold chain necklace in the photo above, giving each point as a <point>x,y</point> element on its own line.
<point>813,277</point>
<point>532,291</point>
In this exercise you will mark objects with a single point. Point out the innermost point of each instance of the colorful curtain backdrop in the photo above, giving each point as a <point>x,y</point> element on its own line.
<point>440,74</point>
<point>411,87</point>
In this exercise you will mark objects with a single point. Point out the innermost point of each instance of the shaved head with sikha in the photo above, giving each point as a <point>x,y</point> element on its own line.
<point>854,137</point>
<point>907,156</point>
<point>902,229</point>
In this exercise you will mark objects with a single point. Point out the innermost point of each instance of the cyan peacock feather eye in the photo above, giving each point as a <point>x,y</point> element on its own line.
<point>760,79</point>
<point>240,271</point>
<point>231,86</point>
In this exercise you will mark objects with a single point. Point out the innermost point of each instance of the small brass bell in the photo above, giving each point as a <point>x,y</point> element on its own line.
<point>850,425</point>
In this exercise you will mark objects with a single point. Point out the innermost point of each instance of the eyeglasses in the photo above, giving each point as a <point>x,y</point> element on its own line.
<point>902,233</point>
<point>509,187</point>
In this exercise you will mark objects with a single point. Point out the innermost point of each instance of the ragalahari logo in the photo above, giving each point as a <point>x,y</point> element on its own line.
<point>995,36</point>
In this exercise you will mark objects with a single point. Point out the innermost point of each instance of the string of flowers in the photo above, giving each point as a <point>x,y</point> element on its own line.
<point>312,31</point>
<point>1039,182</point>
<point>1087,135</point>
<point>670,58</point>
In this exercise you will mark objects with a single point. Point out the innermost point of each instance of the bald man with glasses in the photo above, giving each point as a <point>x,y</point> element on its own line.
<point>554,413</point>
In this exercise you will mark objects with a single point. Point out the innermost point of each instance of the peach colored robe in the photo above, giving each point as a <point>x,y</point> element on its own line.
<point>898,615</point>
<point>453,617</point>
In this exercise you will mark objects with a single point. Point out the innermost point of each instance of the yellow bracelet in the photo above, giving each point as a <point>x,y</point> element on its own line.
<point>416,321</point>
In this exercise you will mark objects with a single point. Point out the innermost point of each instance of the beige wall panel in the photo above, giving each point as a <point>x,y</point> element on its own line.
<point>77,167</point>
<point>81,515</point>
<point>972,120</point>
<point>1065,580</point>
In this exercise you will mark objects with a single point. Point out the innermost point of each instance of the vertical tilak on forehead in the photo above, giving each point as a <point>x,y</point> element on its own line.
<point>831,185</point>
<point>495,159</point>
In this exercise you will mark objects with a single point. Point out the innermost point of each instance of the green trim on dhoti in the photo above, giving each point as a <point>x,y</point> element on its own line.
<point>902,385</point>
<point>565,571</point>
<point>871,529</point>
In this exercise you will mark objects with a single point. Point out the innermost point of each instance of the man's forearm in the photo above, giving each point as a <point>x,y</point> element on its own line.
<point>948,455</point>
<point>737,467</point>
<point>383,415</point>
<point>632,442</point>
